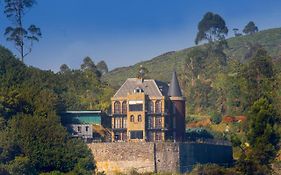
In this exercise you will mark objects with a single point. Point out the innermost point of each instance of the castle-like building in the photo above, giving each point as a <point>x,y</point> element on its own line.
<point>148,110</point>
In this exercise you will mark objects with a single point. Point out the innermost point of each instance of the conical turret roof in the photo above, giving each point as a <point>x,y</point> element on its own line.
<point>174,89</point>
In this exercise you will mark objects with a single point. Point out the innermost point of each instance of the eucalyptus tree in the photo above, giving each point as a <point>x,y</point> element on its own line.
<point>211,28</point>
<point>22,37</point>
<point>102,67</point>
<point>250,28</point>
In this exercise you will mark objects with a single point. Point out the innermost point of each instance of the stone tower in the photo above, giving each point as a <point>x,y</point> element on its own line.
<point>177,108</point>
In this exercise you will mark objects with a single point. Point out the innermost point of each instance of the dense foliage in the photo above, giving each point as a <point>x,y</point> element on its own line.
<point>32,140</point>
<point>263,139</point>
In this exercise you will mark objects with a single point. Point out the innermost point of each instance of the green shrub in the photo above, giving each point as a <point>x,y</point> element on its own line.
<point>216,118</point>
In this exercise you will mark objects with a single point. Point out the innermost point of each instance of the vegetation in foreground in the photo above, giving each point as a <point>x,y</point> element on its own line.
<point>32,139</point>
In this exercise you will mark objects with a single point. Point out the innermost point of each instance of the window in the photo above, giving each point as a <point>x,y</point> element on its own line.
<point>117,107</point>
<point>132,118</point>
<point>118,123</point>
<point>135,107</point>
<point>139,118</point>
<point>87,128</point>
<point>158,136</point>
<point>124,136</point>
<point>158,106</point>
<point>79,128</point>
<point>138,90</point>
<point>158,122</point>
<point>151,106</point>
<point>150,122</point>
<point>136,134</point>
<point>150,136</point>
<point>124,107</point>
<point>124,123</point>
<point>117,136</point>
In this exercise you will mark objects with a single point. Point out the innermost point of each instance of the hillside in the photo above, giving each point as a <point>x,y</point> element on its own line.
<point>161,66</point>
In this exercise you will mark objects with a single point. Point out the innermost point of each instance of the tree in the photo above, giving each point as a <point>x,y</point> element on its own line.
<point>23,38</point>
<point>194,63</point>
<point>259,76</point>
<point>211,28</point>
<point>64,68</point>
<point>102,67</point>
<point>263,139</point>
<point>236,32</point>
<point>21,165</point>
<point>142,73</point>
<point>262,134</point>
<point>216,118</point>
<point>250,28</point>
<point>88,66</point>
<point>45,144</point>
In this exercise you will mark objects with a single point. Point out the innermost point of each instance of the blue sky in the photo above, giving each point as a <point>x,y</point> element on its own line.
<point>124,32</point>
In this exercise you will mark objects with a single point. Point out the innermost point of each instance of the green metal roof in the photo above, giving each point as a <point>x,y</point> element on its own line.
<point>81,117</point>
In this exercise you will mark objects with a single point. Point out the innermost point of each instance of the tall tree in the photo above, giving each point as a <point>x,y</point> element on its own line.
<point>194,63</point>
<point>259,75</point>
<point>211,28</point>
<point>64,68</point>
<point>102,67</point>
<point>22,37</point>
<point>88,64</point>
<point>250,28</point>
<point>263,139</point>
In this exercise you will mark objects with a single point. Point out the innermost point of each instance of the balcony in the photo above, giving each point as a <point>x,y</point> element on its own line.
<point>157,129</point>
<point>119,129</point>
<point>157,113</point>
<point>119,114</point>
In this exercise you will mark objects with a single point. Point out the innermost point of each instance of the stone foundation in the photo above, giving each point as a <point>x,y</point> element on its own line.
<point>123,157</point>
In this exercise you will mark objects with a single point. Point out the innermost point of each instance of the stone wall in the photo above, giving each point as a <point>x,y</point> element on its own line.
<point>123,157</point>
<point>166,157</point>
<point>193,153</point>
<point>157,157</point>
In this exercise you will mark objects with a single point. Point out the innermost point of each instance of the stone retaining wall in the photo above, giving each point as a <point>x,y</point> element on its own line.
<point>123,157</point>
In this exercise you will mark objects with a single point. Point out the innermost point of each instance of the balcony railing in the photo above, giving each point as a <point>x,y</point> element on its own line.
<point>157,113</point>
<point>119,114</point>
<point>119,129</point>
<point>157,128</point>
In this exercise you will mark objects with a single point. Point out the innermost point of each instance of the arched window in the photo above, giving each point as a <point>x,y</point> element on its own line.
<point>124,107</point>
<point>139,118</point>
<point>151,106</point>
<point>117,107</point>
<point>132,118</point>
<point>158,106</point>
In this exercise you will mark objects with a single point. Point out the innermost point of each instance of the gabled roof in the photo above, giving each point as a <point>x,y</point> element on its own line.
<point>150,87</point>
<point>174,89</point>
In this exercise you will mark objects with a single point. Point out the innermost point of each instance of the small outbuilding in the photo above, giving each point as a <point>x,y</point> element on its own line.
<point>83,123</point>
